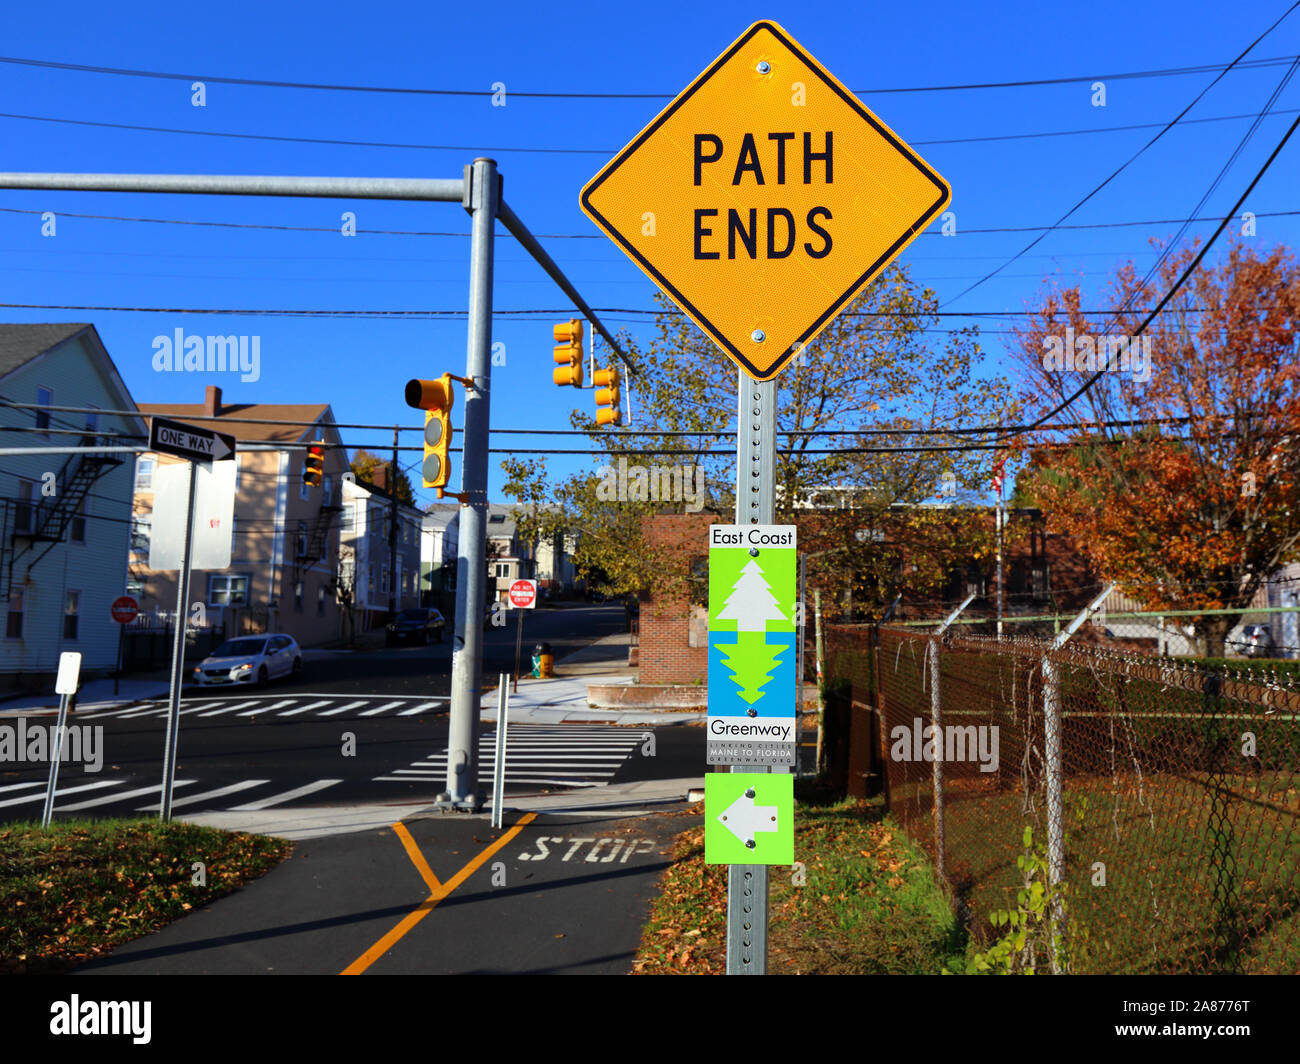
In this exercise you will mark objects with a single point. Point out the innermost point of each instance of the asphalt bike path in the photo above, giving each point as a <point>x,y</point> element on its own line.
<point>436,894</point>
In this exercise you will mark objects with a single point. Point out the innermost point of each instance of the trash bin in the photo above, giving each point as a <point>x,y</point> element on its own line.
<point>543,661</point>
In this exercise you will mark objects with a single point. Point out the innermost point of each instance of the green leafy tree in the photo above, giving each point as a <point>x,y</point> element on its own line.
<point>364,465</point>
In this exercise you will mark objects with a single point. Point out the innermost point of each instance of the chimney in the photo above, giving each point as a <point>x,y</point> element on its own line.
<point>212,401</point>
<point>379,477</point>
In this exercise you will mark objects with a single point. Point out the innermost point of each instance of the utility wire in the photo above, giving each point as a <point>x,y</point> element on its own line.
<point>217,79</point>
<point>599,152</point>
<point>1132,158</point>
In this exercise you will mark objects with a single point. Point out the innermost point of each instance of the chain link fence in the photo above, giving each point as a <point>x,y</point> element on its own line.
<point>1165,797</point>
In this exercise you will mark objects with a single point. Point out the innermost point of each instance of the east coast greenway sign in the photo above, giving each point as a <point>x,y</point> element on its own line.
<point>764,198</point>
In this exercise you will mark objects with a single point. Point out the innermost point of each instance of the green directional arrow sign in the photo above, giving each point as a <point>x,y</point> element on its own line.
<point>749,818</point>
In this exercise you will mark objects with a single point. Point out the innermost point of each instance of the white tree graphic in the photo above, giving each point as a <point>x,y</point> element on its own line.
<point>751,603</point>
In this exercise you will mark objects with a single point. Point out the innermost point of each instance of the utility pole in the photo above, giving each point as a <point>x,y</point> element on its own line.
<point>393,599</point>
<point>482,190</point>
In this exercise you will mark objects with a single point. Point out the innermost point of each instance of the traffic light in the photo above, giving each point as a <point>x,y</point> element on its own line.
<point>608,411</point>
<point>435,398</point>
<point>314,464</point>
<point>568,353</point>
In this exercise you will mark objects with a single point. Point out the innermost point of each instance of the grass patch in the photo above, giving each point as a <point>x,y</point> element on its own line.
<point>81,887</point>
<point>868,903</point>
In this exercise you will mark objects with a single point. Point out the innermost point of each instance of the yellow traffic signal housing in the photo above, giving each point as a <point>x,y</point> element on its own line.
<point>435,398</point>
<point>314,464</point>
<point>568,353</point>
<point>608,411</point>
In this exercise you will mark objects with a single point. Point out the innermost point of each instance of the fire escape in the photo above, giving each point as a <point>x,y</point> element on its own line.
<point>25,526</point>
<point>313,537</point>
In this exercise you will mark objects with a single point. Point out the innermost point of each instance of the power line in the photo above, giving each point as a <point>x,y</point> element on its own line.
<point>1132,158</point>
<point>599,152</point>
<point>489,93</point>
<point>1191,266</point>
<point>334,230</point>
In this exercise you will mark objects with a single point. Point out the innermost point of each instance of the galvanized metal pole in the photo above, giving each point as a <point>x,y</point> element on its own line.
<point>56,755</point>
<point>755,505</point>
<point>499,761</point>
<point>482,196</point>
<point>178,657</point>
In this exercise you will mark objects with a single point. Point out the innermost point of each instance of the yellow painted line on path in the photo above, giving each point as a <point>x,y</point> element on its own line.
<point>438,891</point>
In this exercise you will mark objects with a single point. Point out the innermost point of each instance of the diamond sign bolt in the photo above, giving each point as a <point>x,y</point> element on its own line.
<point>749,793</point>
<point>764,67</point>
<point>749,843</point>
<point>758,336</point>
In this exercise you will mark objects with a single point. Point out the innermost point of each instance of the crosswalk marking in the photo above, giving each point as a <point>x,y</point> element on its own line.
<point>192,799</point>
<point>303,709</point>
<point>287,796</point>
<point>106,713</point>
<point>380,709</point>
<point>343,709</point>
<point>421,708</point>
<point>572,756</point>
<point>227,709</point>
<point>20,786</point>
<point>267,709</point>
<point>116,796</point>
<point>40,797</point>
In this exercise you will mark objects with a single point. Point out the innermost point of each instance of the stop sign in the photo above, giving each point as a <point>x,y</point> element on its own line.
<point>124,609</point>
<point>523,594</point>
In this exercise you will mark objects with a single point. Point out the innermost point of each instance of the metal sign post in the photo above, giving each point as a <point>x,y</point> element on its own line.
<point>65,686</point>
<point>178,657</point>
<point>755,505</point>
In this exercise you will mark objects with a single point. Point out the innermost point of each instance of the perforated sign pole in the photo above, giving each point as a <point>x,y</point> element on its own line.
<point>755,505</point>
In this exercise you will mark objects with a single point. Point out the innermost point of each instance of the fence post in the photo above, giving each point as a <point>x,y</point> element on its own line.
<point>936,724</point>
<point>1052,758</point>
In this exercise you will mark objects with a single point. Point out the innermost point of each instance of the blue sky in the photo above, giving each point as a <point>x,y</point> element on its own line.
<point>359,366</point>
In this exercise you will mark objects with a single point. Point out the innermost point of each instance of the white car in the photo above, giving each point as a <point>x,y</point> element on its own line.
<point>250,659</point>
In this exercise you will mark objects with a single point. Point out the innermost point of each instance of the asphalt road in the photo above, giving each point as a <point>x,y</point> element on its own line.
<point>355,728</point>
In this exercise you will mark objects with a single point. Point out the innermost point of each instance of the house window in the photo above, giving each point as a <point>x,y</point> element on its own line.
<point>297,596</point>
<point>25,511</point>
<point>71,614</point>
<point>224,590</point>
<point>141,529</point>
<point>327,489</point>
<point>135,586</point>
<point>144,468</point>
<point>383,581</point>
<point>348,519</point>
<point>320,601</point>
<point>503,570</point>
<point>78,527</point>
<point>302,543</point>
<point>44,397</point>
<point>239,462</point>
<point>699,580</point>
<point>14,622</point>
<point>92,418</point>
<point>370,580</point>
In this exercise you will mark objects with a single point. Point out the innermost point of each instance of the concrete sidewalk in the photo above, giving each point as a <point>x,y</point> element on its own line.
<point>96,694</point>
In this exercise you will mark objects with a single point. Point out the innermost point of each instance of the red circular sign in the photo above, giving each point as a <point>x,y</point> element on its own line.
<point>523,593</point>
<point>124,609</point>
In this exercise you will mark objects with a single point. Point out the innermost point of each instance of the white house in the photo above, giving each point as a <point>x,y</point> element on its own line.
<point>65,518</point>
<point>364,555</point>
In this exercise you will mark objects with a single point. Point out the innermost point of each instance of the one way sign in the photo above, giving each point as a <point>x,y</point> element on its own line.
<point>186,441</point>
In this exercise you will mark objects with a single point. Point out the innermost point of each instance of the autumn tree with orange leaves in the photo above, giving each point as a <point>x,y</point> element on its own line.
<point>1199,505</point>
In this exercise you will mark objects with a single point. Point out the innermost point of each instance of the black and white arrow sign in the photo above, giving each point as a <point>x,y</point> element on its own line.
<point>186,441</point>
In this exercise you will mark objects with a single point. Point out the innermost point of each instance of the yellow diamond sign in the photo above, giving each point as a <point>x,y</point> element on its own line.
<point>764,198</point>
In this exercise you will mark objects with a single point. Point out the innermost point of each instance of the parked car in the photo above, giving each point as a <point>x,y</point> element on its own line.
<point>1256,641</point>
<point>418,625</point>
<point>250,659</point>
